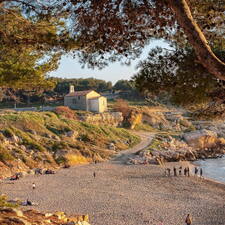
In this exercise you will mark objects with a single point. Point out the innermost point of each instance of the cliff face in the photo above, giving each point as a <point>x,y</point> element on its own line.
<point>161,119</point>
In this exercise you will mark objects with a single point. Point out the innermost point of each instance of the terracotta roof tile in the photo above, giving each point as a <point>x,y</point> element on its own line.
<point>78,93</point>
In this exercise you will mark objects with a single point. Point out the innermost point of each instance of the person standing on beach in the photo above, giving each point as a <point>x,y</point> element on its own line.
<point>185,171</point>
<point>94,174</point>
<point>188,220</point>
<point>201,172</point>
<point>180,171</point>
<point>196,171</point>
<point>175,171</point>
<point>33,186</point>
<point>168,172</point>
<point>188,171</point>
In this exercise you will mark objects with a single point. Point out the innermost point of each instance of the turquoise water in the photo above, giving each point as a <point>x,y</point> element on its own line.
<point>213,168</point>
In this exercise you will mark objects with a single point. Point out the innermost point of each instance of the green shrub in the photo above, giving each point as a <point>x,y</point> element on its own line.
<point>61,160</point>
<point>8,132</point>
<point>145,127</point>
<point>58,130</point>
<point>5,155</point>
<point>4,203</point>
<point>59,146</point>
<point>84,138</point>
<point>28,141</point>
<point>189,129</point>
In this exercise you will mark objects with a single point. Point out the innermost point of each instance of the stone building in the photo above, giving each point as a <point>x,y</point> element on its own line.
<point>85,100</point>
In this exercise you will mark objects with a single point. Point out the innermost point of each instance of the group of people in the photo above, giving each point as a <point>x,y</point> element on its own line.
<point>183,171</point>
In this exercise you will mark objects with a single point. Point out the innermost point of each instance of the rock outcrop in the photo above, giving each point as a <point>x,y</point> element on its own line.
<point>158,119</point>
<point>165,148</point>
<point>12,216</point>
<point>201,138</point>
<point>109,118</point>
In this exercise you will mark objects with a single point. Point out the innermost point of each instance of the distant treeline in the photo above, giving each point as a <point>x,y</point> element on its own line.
<point>61,88</point>
<point>80,84</point>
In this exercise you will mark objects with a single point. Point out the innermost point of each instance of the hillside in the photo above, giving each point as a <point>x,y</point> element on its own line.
<point>46,140</point>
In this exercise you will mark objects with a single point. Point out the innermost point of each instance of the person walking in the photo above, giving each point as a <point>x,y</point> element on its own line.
<point>33,186</point>
<point>188,219</point>
<point>94,174</point>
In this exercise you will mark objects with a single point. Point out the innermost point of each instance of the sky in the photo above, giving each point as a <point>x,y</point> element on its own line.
<point>70,68</point>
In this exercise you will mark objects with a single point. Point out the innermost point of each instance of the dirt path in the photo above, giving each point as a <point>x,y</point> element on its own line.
<point>123,156</point>
<point>124,194</point>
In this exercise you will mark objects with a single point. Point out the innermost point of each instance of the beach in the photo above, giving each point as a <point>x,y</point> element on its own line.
<point>123,194</point>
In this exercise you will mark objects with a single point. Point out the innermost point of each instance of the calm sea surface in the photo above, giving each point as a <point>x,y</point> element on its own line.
<point>213,168</point>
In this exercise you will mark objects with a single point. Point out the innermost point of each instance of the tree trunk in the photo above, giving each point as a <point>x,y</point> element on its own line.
<point>197,39</point>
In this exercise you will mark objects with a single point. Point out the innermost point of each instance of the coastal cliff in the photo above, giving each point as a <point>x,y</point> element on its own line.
<point>49,140</point>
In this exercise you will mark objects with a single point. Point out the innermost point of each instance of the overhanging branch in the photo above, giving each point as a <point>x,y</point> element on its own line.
<point>197,39</point>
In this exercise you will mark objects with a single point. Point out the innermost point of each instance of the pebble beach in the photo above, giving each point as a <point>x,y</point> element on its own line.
<point>123,194</point>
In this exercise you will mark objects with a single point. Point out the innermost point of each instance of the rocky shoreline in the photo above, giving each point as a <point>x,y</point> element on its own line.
<point>11,216</point>
<point>152,156</point>
<point>178,137</point>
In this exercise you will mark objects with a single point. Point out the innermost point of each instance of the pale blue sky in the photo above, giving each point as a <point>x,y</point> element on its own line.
<point>70,68</point>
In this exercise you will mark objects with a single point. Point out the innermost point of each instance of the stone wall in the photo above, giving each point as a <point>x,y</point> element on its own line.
<point>109,118</point>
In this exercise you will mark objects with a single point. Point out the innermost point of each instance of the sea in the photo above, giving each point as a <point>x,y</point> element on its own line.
<point>213,168</point>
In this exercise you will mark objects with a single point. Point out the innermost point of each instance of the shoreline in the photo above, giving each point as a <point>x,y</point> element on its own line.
<point>192,164</point>
<point>210,179</point>
<point>215,182</point>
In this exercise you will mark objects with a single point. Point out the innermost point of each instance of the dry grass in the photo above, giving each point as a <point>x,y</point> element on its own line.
<point>44,134</point>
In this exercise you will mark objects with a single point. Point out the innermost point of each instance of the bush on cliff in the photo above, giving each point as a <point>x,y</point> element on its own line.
<point>65,111</point>
<point>122,106</point>
<point>5,155</point>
